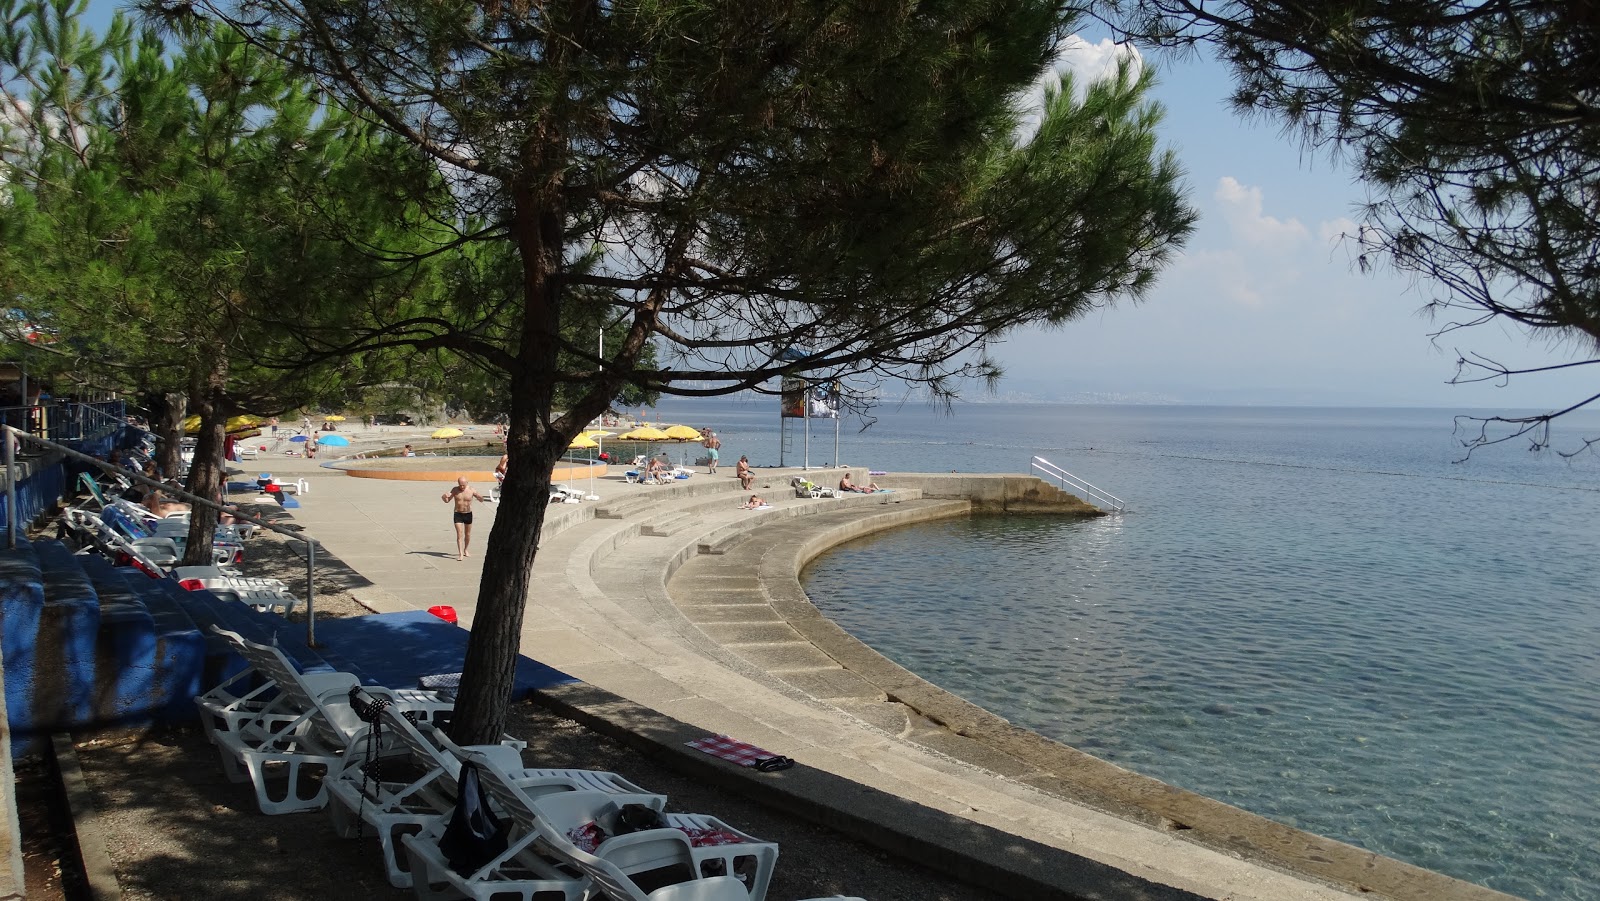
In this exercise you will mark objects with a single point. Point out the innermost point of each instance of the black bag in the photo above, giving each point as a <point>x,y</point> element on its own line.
<point>474,835</point>
<point>638,818</point>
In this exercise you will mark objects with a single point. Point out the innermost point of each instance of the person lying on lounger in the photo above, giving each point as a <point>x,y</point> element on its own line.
<point>161,505</point>
<point>846,485</point>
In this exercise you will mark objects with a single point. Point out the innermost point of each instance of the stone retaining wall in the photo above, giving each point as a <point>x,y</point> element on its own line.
<point>994,493</point>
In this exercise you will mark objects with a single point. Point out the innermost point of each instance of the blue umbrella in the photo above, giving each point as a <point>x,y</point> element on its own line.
<point>334,441</point>
<point>298,438</point>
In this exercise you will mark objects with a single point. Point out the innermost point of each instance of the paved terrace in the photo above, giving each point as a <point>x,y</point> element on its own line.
<point>683,616</point>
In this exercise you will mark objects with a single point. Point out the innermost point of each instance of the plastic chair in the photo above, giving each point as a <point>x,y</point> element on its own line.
<point>394,809</point>
<point>306,727</point>
<point>747,857</point>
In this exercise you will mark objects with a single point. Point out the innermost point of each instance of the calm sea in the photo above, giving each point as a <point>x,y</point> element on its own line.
<point>1314,614</point>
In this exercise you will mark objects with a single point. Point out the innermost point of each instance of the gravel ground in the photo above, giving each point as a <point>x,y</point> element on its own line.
<point>177,829</point>
<point>269,555</point>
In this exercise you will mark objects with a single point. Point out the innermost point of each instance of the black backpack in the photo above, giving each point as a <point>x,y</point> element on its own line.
<point>474,835</point>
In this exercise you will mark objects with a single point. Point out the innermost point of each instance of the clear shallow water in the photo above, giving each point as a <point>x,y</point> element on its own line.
<point>1312,614</point>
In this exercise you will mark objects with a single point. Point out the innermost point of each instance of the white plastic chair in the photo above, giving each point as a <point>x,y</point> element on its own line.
<point>750,856</point>
<point>394,809</point>
<point>306,728</point>
<point>519,871</point>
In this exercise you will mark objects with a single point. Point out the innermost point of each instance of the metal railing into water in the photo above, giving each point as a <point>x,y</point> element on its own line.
<point>11,438</point>
<point>1052,472</point>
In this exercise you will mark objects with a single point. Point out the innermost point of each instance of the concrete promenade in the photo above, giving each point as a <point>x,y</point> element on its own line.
<point>682,615</point>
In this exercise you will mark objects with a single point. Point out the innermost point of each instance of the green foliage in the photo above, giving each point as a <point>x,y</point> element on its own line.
<point>734,190</point>
<point>1472,124</point>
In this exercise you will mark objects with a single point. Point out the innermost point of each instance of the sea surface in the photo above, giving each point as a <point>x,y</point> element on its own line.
<point>1315,614</point>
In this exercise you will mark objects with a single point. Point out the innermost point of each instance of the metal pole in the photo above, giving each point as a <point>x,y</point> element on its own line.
<point>311,595</point>
<point>805,411</point>
<point>11,488</point>
<point>836,438</point>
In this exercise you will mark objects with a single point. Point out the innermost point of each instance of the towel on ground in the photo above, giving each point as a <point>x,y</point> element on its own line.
<point>742,753</point>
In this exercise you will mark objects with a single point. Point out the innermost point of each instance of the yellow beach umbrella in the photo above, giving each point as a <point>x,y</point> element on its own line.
<point>645,433</point>
<point>335,418</point>
<point>236,424</point>
<point>682,433</point>
<point>451,432</point>
<point>583,442</point>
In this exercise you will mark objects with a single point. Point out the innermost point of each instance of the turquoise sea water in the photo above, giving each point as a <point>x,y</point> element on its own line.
<point>1313,614</point>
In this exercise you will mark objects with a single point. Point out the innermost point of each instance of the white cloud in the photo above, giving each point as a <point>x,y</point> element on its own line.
<point>1242,209</point>
<point>1086,63</point>
<point>1092,62</point>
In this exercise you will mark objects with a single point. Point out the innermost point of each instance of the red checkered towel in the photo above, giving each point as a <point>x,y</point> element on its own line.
<point>742,753</point>
<point>587,837</point>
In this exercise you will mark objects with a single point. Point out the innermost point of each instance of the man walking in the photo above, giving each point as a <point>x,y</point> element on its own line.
<point>713,446</point>
<point>462,496</point>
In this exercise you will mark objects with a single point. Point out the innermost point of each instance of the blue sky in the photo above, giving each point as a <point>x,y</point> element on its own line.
<point>1263,307</point>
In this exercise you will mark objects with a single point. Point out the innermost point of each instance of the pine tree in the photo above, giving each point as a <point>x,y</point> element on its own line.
<point>753,189</point>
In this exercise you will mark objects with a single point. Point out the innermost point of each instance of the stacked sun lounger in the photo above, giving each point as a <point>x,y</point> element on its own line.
<point>390,771</point>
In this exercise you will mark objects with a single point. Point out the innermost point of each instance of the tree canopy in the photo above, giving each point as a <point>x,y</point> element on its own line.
<point>743,190</point>
<point>1475,126</point>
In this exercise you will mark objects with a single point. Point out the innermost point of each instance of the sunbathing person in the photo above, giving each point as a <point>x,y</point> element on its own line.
<point>159,504</point>
<point>658,469</point>
<point>846,485</point>
<point>746,477</point>
<point>754,503</point>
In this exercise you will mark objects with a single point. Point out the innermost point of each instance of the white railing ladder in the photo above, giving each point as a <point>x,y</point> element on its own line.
<point>1069,482</point>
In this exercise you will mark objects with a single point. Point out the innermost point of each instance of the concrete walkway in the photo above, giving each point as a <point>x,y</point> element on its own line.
<point>714,651</point>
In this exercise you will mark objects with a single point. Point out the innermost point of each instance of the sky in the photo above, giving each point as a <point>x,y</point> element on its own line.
<point>1263,306</point>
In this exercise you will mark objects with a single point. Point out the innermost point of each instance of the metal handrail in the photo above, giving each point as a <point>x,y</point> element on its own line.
<point>1067,479</point>
<point>13,435</point>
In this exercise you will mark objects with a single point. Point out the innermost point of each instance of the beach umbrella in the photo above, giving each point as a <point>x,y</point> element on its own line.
<point>236,424</point>
<point>598,436</point>
<point>682,433</point>
<point>585,442</point>
<point>298,438</point>
<point>645,433</point>
<point>446,433</point>
<point>335,418</point>
<point>334,441</point>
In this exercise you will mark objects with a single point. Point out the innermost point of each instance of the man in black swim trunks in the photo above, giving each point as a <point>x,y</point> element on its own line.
<point>462,496</point>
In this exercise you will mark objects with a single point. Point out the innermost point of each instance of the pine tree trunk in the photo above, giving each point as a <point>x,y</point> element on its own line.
<point>167,414</point>
<point>480,713</point>
<point>533,446</point>
<point>205,473</point>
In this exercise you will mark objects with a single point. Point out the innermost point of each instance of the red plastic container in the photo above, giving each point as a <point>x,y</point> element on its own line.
<point>444,612</point>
